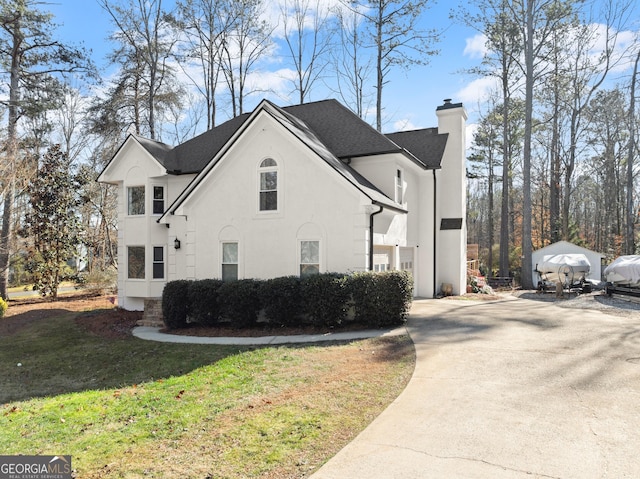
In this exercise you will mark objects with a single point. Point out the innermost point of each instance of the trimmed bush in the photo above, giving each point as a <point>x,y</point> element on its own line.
<point>326,298</point>
<point>240,302</point>
<point>281,300</point>
<point>381,299</point>
<point>175,307</point>
<point>203,302</point>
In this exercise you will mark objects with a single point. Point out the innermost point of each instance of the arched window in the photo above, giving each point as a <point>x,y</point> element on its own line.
<point>268,185</point>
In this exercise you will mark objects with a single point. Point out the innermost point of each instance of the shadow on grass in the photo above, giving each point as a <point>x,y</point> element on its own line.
<point>57,351</point>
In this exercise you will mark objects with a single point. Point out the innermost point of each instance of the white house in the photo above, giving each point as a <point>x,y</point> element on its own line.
<point>292,191</point>
<point>565,247</point>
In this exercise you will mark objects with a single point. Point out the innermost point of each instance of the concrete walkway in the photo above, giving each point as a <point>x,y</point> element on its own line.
<point>508,389</point>
<point>154,334</point>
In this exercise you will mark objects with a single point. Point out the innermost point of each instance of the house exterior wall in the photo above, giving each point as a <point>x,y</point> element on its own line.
<point>315,203</point>
<point>141,170</point>
<point>565,247</point>
<point>225,208</point>
<point>451,248</point>
<point>138,230</point>
<point>411,233</point>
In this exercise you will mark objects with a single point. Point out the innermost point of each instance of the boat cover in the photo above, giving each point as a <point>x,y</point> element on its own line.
<point>624,269</point>
<point>553,263</point>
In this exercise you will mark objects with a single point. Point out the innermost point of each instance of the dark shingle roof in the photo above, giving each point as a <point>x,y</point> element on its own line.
<point>160,151</point>
<point>426,145</point>
<point>341,130</point>
<point>335,126</point>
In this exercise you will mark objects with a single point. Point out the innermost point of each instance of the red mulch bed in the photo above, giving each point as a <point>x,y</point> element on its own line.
<point>98,315</point>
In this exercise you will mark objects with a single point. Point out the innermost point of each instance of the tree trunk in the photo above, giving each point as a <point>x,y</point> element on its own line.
<point>380,76</point>
<point>12,152</point>
<point>506,167</point>
<point>526,276</point>
<point>630,216</point>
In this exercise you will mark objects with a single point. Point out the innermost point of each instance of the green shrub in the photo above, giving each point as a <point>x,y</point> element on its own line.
<point>326,298</point>
<point>397,294</point>
<point>240,302</point>
<point>175,307</point>
<point>3,307</point>
<point>202,297</point>
<point>381,299</point>
<point>281,300</point>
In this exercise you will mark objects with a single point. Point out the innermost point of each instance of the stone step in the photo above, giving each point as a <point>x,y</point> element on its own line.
<point>152,315</point>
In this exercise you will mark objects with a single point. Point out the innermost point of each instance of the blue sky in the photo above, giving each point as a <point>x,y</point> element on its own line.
<point>410,98</point>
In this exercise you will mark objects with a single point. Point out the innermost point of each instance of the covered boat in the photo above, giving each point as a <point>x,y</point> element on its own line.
<point>625,270</point>
<point>568,269</point>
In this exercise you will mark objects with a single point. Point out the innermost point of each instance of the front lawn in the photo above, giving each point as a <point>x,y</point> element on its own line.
<point>123,407</point>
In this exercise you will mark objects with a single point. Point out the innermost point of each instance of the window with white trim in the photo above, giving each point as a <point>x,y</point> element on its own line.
<point>135,262</point>
<point>399,186</point>
<point>268,173</point>
<point>309,258</point>
<point>158,200</point>
<point>135,200</point>
<point>229,261</point>
<point>158,262</point>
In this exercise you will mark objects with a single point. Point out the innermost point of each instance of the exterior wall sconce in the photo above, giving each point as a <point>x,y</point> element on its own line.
<point>176,243</point>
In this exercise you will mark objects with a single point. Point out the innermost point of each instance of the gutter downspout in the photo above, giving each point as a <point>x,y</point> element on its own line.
<point>435,231</point>
<point>371,235</point>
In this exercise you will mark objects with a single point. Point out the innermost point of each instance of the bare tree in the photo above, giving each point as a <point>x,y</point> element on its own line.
<point>307,33</point>
<point>206,24</point>
<point>243,48</point>
<point>146,44</point>
<point>353,67</point>
<point>631,151</point>
<point>536,20</point>
<point>397,38</point>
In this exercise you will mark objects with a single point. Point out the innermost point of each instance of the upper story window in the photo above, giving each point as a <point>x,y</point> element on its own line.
<point>269,185</point>
<point>399,187</point>
<point>158,200</point>
<point>135,200</point>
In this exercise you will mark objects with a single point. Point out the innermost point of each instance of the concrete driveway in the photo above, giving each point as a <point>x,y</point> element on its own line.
<point>508,389</point>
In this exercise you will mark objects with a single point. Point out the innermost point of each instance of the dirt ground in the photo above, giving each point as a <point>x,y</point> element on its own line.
<point>100,316</point>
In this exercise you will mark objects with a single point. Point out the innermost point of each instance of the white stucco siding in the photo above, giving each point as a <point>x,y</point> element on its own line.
<point>315,203</point>
<point>139,170</point>
<point>413,230</point>
<point>451,264</point>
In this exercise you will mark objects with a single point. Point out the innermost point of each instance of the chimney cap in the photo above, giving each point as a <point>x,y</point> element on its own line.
<point>447,105</point>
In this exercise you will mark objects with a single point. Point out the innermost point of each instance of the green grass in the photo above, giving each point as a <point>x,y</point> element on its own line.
<point>130,408</point>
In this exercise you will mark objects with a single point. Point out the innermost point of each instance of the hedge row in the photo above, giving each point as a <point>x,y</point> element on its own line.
<point>376,300</point>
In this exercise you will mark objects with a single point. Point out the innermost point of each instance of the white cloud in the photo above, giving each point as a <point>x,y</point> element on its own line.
<point>477,91</point>
<point>404,125</point>
<point>476,46</point>
<point>471,129</point>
